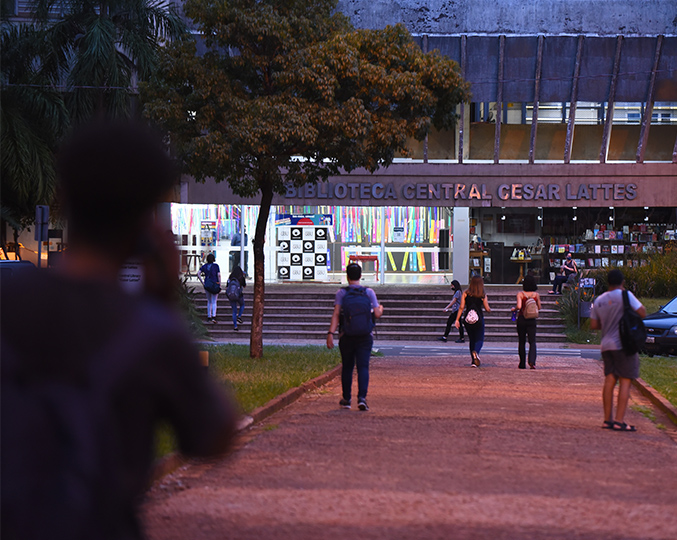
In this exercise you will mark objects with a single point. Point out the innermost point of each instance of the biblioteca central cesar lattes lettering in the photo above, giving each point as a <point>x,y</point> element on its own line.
<point>458,191</point>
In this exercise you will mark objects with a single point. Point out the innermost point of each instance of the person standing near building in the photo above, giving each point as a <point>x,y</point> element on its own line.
<point>355,308</point>
<point>473,301</point>
<point>236,241</point>
<point>569,268</point>
<point>235,292</point>
<point>619,367</point>
<point>526,320</point>
<point>211,272</point>
<point>454,306</point>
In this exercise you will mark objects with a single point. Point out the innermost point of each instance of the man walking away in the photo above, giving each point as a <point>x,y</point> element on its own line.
<point>618,366</point>
<point>355,307</point>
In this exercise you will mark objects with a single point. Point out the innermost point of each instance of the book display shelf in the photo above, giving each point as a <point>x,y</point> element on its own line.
<point>604,247</point>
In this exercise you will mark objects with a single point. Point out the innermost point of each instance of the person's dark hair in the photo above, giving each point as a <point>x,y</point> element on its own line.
<point>615,278</point>
<point>354,271</point>
<point>237,273</point>
<point>456,285</point>
<point>529,283</point>
<point>210,258</point>
<point>110,175</point>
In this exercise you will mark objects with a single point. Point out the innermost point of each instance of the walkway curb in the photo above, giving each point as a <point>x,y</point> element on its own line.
<point>657,399</point>
<point>169,463</point>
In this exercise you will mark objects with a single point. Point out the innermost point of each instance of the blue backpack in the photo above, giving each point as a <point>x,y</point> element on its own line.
<point>358,319</point>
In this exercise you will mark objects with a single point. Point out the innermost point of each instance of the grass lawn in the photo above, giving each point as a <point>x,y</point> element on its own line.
<point>255,381</point>
<point>661,373</point>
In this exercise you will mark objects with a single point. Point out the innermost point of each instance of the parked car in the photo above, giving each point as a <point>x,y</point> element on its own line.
<point>11,268</point>
<point>661,330</point>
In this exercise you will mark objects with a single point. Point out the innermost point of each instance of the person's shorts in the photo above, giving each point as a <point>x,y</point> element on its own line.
<point>621,364</point>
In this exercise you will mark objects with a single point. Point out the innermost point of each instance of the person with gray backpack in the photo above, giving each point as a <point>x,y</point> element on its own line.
<point>355,311</point>
<point>235,293</point>
<point>528,306</point>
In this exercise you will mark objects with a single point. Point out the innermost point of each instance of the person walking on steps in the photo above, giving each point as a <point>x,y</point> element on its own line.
<point>528,306</point>
<point>235,293</point>
<point>619,366</point>
<point>453,307</point>
<point>473,301</point>
<point>568,270</point>
<point>212,285</point>
<point>355,309</point>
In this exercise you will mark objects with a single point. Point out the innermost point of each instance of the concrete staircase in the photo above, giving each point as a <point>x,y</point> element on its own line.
<point>411,313</point>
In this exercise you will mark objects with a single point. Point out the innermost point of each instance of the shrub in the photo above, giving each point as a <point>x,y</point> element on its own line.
<point>186,297</point>
<point>658,278</point>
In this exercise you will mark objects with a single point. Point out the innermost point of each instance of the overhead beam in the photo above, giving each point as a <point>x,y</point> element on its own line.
<point>464,61</point>
<point>499,98</point>
<point>648,110</point>
<point>537,97</point>
<point>425,141</point>
<point>568,144</point>
<point>608,121</point>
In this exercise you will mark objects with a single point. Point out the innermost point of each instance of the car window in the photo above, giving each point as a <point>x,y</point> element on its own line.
<point>671,306</point>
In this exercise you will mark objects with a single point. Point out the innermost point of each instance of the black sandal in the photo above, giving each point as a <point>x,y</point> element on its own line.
<point>608,424</point>
<point>622,426</point>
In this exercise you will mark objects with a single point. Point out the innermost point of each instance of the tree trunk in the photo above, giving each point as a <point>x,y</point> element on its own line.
<point>17,252</point>
<point>256,337</point>
<point>3,237</point>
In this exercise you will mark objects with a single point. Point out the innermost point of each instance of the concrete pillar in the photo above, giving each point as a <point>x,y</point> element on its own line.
<point>461,253</point>
<point>163,215</point>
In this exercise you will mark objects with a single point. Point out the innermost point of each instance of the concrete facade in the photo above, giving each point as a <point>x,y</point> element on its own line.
<point>592,17</point>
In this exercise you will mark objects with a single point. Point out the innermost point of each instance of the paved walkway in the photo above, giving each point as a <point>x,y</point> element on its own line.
<point>446,452</point>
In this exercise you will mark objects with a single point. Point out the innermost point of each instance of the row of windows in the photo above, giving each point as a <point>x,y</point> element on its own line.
<point>586,113</point>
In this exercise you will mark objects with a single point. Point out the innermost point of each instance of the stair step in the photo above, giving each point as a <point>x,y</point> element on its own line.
<point>303,311</point>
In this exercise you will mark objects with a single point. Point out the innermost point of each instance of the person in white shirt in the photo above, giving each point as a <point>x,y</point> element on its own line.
<point>618,366</point>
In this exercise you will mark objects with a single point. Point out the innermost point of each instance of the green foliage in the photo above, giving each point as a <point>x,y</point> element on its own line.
<point>661,373</point>
<point>287,92</point>
<point>186,300</point>
<point>302,83</point>
<point>102,47</point>
<point>658,278</point>
<point>256,381</point>
<point>53,70</point>
<point>652,305</point>
<point>568,306</point>
<point>32,118</point>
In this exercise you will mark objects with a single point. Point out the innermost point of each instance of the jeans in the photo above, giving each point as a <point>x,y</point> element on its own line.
<point>211,304</point>
<point>355,351</point>
<point>234,304</point>
<point>526,329</point>
<point>476,335</point>
<point>557,284</point>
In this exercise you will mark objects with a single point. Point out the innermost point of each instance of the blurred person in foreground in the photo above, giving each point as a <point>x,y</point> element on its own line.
<point>619,367</point>
<point>88,370</point>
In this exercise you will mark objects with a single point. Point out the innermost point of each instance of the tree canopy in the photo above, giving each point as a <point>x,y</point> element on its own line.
<point>66,68</point>
<point>287,91</point>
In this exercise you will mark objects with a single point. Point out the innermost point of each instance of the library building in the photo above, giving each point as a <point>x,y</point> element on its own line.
<point>569,144</point>
<point>430,223</point>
